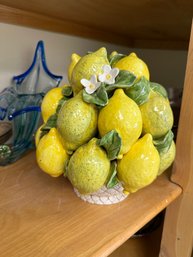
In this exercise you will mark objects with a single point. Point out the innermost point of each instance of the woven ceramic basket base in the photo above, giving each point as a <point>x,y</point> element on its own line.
<point>104,196</point>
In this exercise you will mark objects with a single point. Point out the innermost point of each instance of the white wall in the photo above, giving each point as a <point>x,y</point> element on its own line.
<point>17,46</point>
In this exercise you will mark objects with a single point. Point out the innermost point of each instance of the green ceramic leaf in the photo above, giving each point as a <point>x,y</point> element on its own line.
<point>51,123</point>
<point>163,143</point>
<point>43,133</point>
<point>112,144</point>
<point>67,94</point>
<point>61,102</point>
<point>115,58</point>
<point>65,168</point>
<point>159,89</point>
<point>67,91</point>
<point>139,91</point>
<point>112,179</point>
<point>99,97</point>
<point>125,78</point>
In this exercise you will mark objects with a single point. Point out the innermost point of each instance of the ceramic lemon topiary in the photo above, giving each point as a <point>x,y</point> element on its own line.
<point>109,140</point>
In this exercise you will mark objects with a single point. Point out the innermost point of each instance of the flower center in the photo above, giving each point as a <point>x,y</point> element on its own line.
<point>92,86</point>
<point>108,76</point>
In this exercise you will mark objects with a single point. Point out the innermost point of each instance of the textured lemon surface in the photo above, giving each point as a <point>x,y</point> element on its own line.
<point>123,115</point>
<point>77,122</point>
<point>166,159</point>
<point>157,116</point>
<point>88,168</point>
<point>87,66</point>
<point>50,102</point>
<point>133,64</point>
<point>139,167</point>
<point>50,154</point>
<point>74,60</point>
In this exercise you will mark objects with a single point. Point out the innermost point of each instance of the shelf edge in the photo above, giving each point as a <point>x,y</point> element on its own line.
<point>20,17</point>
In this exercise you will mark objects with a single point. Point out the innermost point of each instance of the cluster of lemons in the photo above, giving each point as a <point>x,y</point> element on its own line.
<point>70,146</point>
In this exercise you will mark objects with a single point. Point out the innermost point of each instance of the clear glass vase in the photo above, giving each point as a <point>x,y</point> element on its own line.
<point>20,106</point>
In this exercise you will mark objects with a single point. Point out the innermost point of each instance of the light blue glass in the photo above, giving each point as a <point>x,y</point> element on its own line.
<point>20,105</point>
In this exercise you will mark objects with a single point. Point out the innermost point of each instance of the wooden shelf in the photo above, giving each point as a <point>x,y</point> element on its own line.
<point>144,24</point>
<point>42,216</point>
<point>144,246</point>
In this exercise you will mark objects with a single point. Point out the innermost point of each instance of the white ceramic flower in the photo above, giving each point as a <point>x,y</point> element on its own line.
<point>108,76</point>
<point>90,85</point>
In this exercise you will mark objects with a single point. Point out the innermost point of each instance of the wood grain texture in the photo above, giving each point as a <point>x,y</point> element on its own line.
<point>178,228</point>
<point>41,216</point>
<point>144,246</point>
<point>148,24</point>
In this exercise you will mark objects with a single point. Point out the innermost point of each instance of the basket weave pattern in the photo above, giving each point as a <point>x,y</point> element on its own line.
<point>104,196</point>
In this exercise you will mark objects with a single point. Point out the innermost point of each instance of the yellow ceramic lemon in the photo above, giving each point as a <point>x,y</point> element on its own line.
<point>139,167</point>
<point>74,59</point>
<point>88,168</point>
<point>123,115</point>
<point>157,115</point>
<point>87,66</point>
<point>166,159</point>
<point>50,102</point>
<point>133,64</point>
<point>50,154</point>
<point>77,122</point>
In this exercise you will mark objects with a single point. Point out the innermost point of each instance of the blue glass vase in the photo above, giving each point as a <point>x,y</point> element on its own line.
<point>20,106</point>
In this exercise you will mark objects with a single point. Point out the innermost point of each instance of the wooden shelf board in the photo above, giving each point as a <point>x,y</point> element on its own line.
<point>42,216</point>
<point>110,22</point>
<point>147,245</point>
